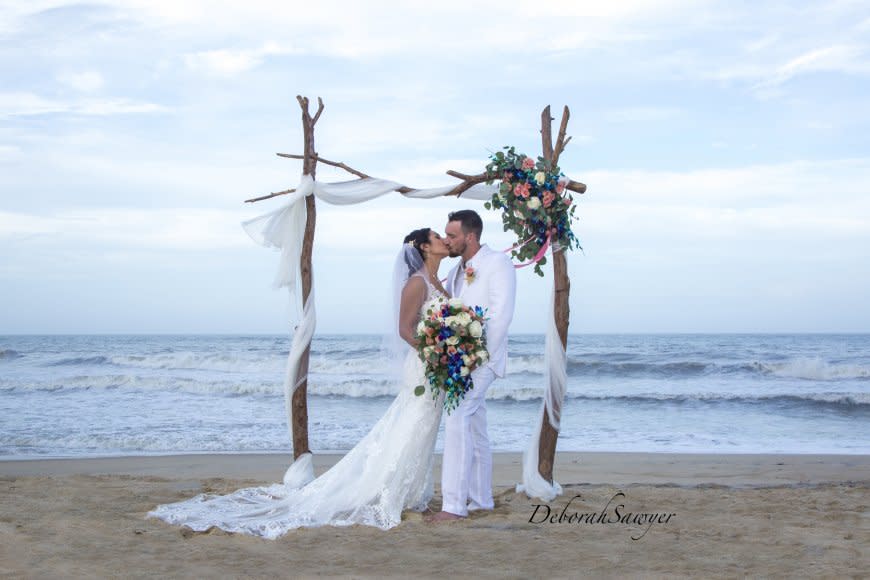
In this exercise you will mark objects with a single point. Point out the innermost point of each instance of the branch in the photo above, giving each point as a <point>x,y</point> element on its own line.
<point>576,186</point>
<point>270,196</point>
<point>484,177</point>
<point>468,181</point>
<point>319,110</point>
<point>560,140</point>
<point>328,162</point>
<point>479,178</point>
<point>547,134</point>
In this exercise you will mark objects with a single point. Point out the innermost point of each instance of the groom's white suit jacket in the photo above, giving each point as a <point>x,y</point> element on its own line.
<point>494,288</point>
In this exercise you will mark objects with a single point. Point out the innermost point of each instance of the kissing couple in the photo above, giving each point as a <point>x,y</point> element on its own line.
<point>390,469</point>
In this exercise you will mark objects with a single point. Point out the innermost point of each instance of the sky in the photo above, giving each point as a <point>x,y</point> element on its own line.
<point>725,146</point>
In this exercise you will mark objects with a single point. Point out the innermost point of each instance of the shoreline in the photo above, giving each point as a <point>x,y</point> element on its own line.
<point>571,467</point>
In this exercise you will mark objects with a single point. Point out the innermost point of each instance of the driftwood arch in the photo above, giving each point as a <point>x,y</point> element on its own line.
<point>562,284</point>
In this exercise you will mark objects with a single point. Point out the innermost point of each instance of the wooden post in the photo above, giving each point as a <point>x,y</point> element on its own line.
<point>299,402</point>
<point>549,435</point>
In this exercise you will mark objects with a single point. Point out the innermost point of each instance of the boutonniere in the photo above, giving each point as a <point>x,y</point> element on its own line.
<point>469,274</point>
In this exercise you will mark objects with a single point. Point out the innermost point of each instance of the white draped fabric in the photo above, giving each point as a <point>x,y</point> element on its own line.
<point>556,364</point>
<point>284,229</point>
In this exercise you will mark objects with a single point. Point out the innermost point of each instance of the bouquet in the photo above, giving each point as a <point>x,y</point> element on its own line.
<point>451,344</point>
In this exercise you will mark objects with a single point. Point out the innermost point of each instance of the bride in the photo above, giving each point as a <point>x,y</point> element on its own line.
<point>388,471</point>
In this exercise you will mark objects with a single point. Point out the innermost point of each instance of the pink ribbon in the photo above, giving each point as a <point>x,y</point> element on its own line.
<point>538,256</point>
<point>519,245</point>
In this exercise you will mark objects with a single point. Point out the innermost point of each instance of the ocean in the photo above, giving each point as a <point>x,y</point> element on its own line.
<point>79,396</point>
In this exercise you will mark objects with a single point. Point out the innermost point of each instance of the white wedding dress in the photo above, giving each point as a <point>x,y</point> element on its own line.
<point>388,471</point>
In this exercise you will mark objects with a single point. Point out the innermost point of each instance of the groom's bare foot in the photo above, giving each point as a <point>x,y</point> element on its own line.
<point>443,517</point>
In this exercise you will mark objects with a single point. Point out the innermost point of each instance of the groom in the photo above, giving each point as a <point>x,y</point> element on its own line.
<point>486,278</point>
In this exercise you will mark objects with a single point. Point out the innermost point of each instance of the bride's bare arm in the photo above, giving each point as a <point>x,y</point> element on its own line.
<point>413,295</point>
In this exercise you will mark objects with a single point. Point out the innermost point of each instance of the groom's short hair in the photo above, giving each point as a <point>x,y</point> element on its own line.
<point>470,220</point>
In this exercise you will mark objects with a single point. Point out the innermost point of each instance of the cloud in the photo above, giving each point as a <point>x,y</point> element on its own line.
<point>762,43</point>
<point>228,62</point>
<point>13,13</point>
<point>762,206</point>
<point>839,58</point>
<point>641,114</point>
<point>824,200</point>
<point>85,81</point>
<point>20,104</point>
<point>379,28</point>
<point>9,152</point>
<point>180,229</point>
<point>402,126</point>
<point>167,173</point>
<point>813,182</point>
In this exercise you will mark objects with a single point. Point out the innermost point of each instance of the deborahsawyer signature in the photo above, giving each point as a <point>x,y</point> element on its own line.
<point>611,513</point>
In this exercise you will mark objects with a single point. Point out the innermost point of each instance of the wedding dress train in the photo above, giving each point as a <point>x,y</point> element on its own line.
<point>388,471</point>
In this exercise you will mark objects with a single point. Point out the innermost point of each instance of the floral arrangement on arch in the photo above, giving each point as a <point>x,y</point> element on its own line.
<point>535,205</point>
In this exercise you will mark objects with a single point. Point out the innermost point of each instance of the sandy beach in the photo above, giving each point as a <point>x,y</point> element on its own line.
<point>713,516</point>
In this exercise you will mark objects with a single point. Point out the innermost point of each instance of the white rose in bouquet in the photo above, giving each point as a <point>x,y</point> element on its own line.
<point>475,329</point>
<point>464,319</point>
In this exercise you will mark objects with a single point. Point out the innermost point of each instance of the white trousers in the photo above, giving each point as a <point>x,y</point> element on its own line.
<point>466,474</point>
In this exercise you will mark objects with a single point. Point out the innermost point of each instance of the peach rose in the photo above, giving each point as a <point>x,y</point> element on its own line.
<point>522,190</point>
<point>548,198</point>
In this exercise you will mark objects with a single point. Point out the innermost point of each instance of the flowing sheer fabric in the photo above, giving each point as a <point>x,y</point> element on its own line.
<point>533,485</point>
<point>388,471</point>
<point>393,348</point>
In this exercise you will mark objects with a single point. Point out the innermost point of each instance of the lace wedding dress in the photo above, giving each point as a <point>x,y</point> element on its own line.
<point>388,471</point>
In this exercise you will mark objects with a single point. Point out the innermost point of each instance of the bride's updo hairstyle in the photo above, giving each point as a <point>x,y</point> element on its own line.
<point>416,239</point>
